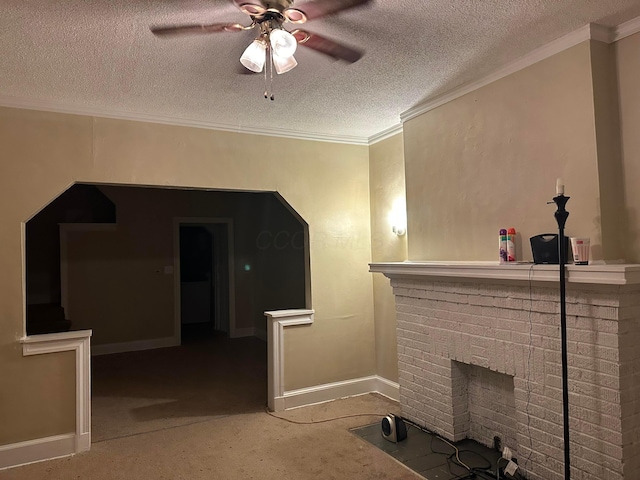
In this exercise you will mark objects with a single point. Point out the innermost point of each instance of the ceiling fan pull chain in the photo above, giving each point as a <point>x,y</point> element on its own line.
<point>266,92</point>
<point>271,72</point>
<point>268,86</point>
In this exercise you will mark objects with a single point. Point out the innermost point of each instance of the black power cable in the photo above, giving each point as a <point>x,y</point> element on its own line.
<point>454,458</point>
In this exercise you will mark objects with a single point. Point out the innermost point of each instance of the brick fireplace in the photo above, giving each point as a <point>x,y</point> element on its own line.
<point>479,357</point>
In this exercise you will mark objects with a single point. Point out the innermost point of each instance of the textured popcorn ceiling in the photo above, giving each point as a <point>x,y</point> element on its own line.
<point>99,56</point>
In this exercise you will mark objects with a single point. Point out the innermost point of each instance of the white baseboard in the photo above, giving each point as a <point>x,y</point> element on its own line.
<point>135,346</point>
<point>333,391</point>
<point>388,388</point>
<point>38,450</point>
<point>83,442</point>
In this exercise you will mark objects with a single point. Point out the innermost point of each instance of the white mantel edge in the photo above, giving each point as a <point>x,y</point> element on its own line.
<point>615,274</point>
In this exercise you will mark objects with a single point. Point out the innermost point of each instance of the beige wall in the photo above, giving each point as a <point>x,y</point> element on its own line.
<point>628,62</point>
<point>326,183</point>
<point>607,129</point>
<point>386,179</point>
<point>490,159</point>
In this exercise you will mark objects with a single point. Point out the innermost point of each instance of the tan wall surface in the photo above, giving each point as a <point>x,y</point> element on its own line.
<point>490,159</point>
<point>610,175</point>
<point>328,184</point>
<point>628,60</point>
<point>387,185</point>
<point>49,143</point>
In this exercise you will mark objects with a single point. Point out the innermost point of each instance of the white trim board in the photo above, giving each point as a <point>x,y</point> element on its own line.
<point>38,450</point>
<point>134,346</point>
<point>388,133</point>
<point>332,391</point>
<point>626,29</point>
<point>278,399</point>
<point>614,274</point>
<point>78,342</point>
<point>276,323</point>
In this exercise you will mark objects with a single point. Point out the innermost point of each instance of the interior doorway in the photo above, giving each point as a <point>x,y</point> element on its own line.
<point>113,252</point>
<point>204,276</point>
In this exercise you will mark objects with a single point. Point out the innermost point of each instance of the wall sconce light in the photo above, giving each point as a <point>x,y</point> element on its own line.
<point>399,230</point>
<point>398,217</point>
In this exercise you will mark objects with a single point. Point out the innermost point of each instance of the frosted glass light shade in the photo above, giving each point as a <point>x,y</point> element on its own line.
<point>283,43</point>
<point>254,56</point>
<point>283,65</point>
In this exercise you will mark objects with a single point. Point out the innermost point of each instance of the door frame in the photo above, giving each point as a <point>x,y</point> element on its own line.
<point>177,314</point>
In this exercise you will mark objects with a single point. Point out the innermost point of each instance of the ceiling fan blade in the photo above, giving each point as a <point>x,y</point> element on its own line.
<point>328,47</point>
<point>196,29</point>
<point>250,7</point>
<point>322,8</point>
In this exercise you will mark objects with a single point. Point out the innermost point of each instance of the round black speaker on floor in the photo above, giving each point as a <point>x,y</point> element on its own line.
<point>393,428</point>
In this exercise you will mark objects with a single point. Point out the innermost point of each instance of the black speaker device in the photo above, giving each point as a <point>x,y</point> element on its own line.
<point>544,248</point>
<point>393,428</point>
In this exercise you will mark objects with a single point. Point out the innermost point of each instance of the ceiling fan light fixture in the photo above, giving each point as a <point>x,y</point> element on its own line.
<point>283,65</point>
<point>283,43</point>
<point>254,56</point>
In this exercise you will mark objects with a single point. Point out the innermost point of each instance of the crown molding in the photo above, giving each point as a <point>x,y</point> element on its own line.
<point>59,107</point>
<point>384,134</point>
<point>563,43</point>
<point>626,29</point>
<point>600,33</point>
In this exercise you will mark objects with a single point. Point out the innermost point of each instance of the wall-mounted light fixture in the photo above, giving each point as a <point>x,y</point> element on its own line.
<point>399,230</point>
<point>398,216</point>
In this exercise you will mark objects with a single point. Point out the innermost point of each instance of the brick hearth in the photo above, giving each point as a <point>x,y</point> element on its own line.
<point>479,356</point>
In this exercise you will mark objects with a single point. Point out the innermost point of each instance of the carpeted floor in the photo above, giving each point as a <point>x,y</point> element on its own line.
<point>197,412</point>
<point>242,446</point>
<point>208,376</point>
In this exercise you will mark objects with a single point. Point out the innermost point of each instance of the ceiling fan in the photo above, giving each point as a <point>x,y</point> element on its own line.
<point>273,41</point>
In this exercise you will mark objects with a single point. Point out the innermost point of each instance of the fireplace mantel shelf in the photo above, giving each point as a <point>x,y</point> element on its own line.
<point>605,274</point>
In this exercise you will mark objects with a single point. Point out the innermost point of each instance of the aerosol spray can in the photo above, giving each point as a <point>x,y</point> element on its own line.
<point>511,245</point>
<point>502,245</point>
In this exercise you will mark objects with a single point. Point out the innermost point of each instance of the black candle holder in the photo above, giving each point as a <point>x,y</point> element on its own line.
<point>561,215</point>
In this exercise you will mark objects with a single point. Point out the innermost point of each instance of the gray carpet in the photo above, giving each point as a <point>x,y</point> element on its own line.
<point>241,446</point>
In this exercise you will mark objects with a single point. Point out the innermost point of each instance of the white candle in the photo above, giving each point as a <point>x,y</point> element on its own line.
<point>559,187</point>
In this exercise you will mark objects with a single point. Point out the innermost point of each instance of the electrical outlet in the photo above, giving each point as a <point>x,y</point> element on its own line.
<point>507,454</point>
<point>511,468</point>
